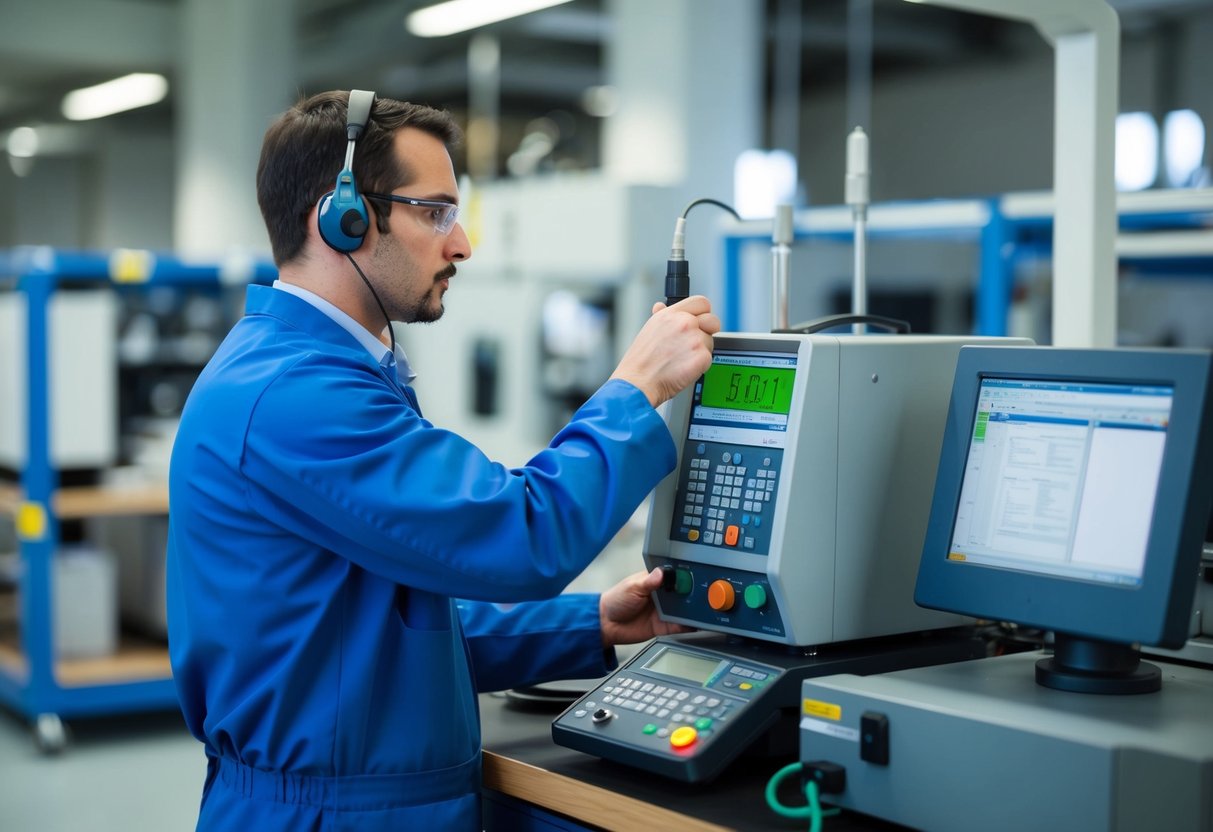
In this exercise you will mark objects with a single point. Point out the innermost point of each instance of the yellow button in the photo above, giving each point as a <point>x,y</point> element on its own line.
<point>745,686</point>
<point>693,535</point>
<point>682,737</point>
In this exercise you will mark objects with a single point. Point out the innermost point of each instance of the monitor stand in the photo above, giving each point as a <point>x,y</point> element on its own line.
<point>1085,665</point>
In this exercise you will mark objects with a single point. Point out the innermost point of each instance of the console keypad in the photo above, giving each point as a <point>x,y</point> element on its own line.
<point>726,497</point>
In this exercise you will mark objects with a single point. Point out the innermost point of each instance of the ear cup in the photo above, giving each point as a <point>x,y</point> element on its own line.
<point>343,217</point>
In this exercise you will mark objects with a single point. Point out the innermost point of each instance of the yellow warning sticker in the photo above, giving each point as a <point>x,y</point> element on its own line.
<point>128,265</point>
<point>826,710</point>
<point>31,521</point>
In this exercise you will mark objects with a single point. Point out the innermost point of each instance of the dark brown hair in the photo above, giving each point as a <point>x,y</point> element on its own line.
<point>304,149</point>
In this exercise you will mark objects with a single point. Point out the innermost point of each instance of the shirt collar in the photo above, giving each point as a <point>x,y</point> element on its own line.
<point>373,345</point>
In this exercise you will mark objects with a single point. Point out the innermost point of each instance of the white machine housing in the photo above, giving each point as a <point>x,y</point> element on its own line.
<point>82,388</point>
<point>850,503</point>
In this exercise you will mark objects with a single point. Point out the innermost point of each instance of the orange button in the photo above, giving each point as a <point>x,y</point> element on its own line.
<point>682,737</point>
<point>730,535</point>
<point>721,595</point>
<point>693,535</point>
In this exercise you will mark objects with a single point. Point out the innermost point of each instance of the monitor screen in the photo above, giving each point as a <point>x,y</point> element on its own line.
<point>1061,478</point>
<point>1073,495</point>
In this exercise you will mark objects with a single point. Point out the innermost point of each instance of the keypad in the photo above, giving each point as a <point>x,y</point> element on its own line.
<point>676,705</point>
<point>726,499</point>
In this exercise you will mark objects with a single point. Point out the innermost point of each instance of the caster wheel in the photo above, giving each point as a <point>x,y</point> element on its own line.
<point>50,735</point>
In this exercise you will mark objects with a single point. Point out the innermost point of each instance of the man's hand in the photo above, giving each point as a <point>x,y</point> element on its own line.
<point>627,612</point>
<point>672,349</point>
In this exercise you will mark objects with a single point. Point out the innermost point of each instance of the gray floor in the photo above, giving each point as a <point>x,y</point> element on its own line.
<point>144,772</point>
<point>132,773</point>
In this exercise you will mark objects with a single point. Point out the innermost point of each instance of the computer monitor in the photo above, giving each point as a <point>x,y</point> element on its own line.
<point>1072,495</point>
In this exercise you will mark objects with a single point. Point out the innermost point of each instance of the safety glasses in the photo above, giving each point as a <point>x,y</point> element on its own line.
<point>442,214</point>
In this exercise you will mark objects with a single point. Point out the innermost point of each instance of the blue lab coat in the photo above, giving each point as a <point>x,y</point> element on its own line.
<point>320,530</point>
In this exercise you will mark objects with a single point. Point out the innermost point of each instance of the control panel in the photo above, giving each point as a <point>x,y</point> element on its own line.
<point>679,710</point>
<point>798,507</point>
<point>733,597</point>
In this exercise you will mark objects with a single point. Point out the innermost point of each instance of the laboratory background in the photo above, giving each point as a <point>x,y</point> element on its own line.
<point>983,173</point>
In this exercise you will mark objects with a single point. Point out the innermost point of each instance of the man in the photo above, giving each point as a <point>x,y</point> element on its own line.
<point>321,527</point>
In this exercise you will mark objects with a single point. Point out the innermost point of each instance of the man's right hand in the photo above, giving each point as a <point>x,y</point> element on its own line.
<point>672,350</point>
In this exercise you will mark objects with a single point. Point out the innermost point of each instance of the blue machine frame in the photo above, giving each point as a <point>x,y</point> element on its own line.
<point>1006,228</point>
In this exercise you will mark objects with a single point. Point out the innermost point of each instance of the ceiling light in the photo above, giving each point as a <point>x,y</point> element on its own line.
<point>23,142</point>
<point>460,15</point>
<point>126,93</point>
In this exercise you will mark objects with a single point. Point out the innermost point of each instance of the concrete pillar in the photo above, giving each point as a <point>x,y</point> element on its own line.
<point>688,81</point>
<point>237,72</point>
<point>688,75</point>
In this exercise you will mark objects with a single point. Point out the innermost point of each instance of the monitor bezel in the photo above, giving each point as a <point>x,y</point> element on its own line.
<point>1155,612</point>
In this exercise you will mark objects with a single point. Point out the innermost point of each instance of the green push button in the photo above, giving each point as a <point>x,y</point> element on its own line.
<point>650,728</point>
<point>683,582</point>
<point>755,596</point>
<point>703,723</point>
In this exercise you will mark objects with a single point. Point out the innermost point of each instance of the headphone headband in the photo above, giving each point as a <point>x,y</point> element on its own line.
<point>358,113</point>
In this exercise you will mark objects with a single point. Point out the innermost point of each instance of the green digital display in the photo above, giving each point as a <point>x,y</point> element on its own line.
<point>737,387</point>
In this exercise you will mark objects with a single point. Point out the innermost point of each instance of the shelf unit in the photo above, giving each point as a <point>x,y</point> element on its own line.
<point>138,677</point>
<point>1172,226</point>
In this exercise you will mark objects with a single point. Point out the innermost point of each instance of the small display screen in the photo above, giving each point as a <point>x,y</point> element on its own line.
<point>687,666</point>
<point>755,388</point>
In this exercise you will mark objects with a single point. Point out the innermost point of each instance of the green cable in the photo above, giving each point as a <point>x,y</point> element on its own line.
<point>812,811</point>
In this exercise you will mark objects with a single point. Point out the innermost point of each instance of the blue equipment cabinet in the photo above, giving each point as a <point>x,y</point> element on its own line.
<point>32,681</point>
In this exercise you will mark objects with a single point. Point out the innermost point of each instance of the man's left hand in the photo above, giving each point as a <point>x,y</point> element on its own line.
<point>627,612</point>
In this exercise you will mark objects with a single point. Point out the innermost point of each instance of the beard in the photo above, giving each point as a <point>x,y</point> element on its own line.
<point>428,308</point>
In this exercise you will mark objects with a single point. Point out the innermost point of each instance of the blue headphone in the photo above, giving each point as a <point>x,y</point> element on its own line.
<point>343,217</point>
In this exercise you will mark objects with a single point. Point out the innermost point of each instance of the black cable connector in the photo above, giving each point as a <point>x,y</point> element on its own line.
<point>677,269</point>
<point>830,778</point>
<point>677,281</point>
